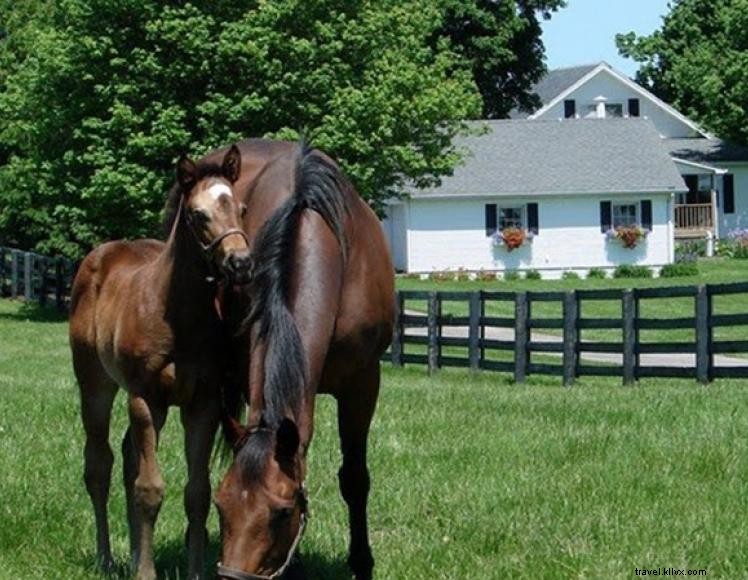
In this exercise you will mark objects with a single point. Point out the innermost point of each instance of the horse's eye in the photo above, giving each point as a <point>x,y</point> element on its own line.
<point>199,216</point>
<point>282,514</point>
<point>242,209</point>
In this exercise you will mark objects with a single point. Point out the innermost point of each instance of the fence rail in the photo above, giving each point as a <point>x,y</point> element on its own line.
<point>513,343</point>
<point>34,277</point>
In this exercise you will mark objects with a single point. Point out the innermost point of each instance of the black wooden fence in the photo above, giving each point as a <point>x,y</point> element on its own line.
<point>475,332</point>
<point>34,277</point>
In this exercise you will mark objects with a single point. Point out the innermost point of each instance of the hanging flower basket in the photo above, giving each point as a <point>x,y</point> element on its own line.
<point>630,236</point>
<point>511,238</point>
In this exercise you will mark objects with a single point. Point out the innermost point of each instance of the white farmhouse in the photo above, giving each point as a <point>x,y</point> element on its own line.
<point>600,153</point>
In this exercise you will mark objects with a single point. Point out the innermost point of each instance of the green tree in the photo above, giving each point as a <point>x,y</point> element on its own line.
<point>102,95</point>
<point>503,45</point>
<point>698,61</point>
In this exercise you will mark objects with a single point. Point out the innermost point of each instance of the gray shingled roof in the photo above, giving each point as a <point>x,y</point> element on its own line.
<point>706,150</point>
<point>554,83</point>
<point>553,157</point>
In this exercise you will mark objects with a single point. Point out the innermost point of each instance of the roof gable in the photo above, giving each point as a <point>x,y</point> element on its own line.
<point>605,68</point>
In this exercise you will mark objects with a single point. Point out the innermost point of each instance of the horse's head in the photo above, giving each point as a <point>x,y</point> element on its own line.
<point>213,213</point>
<point>261,502</point>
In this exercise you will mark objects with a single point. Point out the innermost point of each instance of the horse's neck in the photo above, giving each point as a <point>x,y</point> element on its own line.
<point>184,281</point>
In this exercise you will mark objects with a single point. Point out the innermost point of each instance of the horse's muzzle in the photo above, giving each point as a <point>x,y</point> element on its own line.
<point>238,267</point>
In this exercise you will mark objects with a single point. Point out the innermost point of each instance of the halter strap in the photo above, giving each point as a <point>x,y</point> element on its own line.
<point>234,574</point>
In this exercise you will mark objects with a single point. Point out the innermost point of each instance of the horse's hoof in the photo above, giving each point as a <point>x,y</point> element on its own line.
<point>362,566</point>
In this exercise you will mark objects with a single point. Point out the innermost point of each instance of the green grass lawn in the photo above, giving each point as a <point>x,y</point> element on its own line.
<point>711,271</point>
<point>473,477</point>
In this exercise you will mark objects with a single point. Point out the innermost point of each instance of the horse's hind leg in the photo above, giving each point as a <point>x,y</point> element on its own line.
<point>145,486</point>
<point>200,422</point>
<point>355,411</point>
<point>97,393</point>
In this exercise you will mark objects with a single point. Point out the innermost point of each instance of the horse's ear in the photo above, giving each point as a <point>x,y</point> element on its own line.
<point>232,164</point>
<point>286,441</point>
<point>186,173</point>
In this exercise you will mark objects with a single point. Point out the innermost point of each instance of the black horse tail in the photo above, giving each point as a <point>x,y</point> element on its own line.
<point>321,187</point>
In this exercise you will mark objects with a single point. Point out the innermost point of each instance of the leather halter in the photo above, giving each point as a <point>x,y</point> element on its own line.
<point>234,574</point>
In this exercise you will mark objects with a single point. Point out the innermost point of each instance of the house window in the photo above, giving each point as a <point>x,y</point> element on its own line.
<point>510,217</point>
<point>624,215</point>
<point>613,110</point>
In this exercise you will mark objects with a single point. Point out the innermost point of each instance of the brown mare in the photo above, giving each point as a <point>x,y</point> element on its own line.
<point>321,306</point>
<point>143,319</point>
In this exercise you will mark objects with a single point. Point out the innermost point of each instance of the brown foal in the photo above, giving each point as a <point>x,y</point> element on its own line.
<point>144,319</point>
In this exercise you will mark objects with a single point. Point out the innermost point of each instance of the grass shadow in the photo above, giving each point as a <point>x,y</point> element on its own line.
<point>34,312</point>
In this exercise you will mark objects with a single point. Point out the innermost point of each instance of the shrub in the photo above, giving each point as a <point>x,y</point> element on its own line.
<point>678,269</point>
<point>442,276</point>
<point>690,251</point>
<point>511,275</point>
<point>485,276</point>
<point>569,275</point>
<point>736,244</point>
<point>462,275</point>
<point>597,274</point>
<point>532,275</point>
<point>632,271</point>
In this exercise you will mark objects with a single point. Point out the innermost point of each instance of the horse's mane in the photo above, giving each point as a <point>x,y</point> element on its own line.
<point>320,186</point>
<point>171,208</point>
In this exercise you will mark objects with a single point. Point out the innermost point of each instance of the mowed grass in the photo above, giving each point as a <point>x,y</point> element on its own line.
<point>472,476</point>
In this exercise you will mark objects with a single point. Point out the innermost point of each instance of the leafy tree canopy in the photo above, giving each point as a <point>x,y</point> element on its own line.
<point>502,42</point>
<point>698,61</point>
<point>98,97</point>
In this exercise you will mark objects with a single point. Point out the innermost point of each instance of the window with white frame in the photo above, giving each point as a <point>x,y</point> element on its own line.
<point>625,214</point>
<point>511,217</point>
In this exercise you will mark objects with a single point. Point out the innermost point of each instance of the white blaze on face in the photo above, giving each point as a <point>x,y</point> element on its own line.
<point>218,189</point>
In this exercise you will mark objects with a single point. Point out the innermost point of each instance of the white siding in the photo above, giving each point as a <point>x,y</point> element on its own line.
<point>396,230</point>
<point>607,85</point>
<point>739,219</point>
<point>450,234</point>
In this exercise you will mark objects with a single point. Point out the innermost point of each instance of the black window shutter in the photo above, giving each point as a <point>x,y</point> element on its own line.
<point>532,217</point>
<point>570,108</point>
<point>606,216</point>
<point>633,107</point>
<point>490,219</point>
<point>647,214</point>
<point>728,191</point>
<point>692,183</point>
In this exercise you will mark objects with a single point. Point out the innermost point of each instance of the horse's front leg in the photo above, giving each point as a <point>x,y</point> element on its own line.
<point>355,411</point>
<point>200,421</point>
<point>147,493</point>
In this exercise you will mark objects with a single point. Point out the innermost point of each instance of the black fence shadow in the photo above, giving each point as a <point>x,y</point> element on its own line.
<point>34,312</point>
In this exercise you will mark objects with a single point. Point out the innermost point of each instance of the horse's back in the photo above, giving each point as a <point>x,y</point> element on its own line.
<point>110,262</point>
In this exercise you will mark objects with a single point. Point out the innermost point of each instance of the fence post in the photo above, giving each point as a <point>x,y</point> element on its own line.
<point>474,350</point>
<point>570,337</point>
<point>2,271</point>
<point>28,265</point>
<point>629,336</point>
<point>60,284</point>
<point>703,366</point>
<point>433,336</point>
<point>521,336</point>
<point>43,266</point>
<point>14,273</point>
<point>396,350</point>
